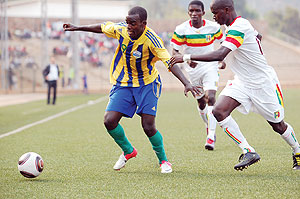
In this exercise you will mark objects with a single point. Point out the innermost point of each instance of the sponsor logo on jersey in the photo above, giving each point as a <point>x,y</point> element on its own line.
<point>137,54</point>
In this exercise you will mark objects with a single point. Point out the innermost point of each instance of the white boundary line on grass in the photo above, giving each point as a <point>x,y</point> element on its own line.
<point>101,99</point>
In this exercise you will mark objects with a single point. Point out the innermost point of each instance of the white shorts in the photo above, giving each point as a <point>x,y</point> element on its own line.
<point>266,101</point>
<point>208,80</point>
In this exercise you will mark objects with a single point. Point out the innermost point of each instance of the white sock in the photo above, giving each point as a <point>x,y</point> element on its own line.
<point>211,124</point>
<point>232,129</point>
<point>203,114</point>
<point>290,137</point>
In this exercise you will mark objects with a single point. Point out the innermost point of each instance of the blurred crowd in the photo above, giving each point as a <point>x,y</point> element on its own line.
<point>93,48</point>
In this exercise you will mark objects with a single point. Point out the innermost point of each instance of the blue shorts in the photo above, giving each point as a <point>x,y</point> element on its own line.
<point>128,100</point>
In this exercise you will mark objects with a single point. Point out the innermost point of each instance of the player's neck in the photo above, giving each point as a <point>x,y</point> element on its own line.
<point>197,24</point>
<point>233,16</point>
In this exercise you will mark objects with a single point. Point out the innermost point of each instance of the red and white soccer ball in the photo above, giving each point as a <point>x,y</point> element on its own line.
<point>30,165</point>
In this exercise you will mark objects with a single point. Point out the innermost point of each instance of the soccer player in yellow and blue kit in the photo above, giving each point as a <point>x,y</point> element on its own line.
<point>136,81</point>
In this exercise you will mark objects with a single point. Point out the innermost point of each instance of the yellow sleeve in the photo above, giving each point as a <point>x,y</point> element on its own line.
<point>161,53</point>
<point>108,28</point>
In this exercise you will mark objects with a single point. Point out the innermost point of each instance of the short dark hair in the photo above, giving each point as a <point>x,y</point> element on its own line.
<point>197,2</point>
<point>142,12</point>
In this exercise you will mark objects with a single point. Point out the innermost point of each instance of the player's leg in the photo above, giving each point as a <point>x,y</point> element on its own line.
<point>211,133</point>
<point>146,98</point>
<point>116,131</point>
<point>155,137</point>
<point>156,140</point>
<point>196,80</point>
<point>271,107</point>
<point>210,81</point>
<point>233,96</point>
<point>202,109</point>
<point>287,133</point>
<point>121,104</point>
<point>222,110</point>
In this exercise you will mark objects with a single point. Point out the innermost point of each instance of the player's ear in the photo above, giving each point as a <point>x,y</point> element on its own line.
<point>203,12</point>
<point>144,22</point>
<point>227,10</point>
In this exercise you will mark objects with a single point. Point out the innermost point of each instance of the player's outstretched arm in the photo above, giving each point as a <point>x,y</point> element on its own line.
<point>96,28</point>
<point>187,85</point>
<point>190,63</point>
<point>217,55</point>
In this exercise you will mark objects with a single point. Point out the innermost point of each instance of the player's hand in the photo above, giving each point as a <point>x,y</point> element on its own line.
<point>222,65</point>
<point>192,64</point>
<point>195,90</point>
<point>69,27</point>
<point>176,59</point>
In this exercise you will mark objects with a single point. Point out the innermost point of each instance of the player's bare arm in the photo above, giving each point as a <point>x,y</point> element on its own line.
<point>96,28</point>
<point>217,55</point>
<point>187,84</point>
<point>190,63</point>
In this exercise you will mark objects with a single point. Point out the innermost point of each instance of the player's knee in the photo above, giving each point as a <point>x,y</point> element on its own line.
<point>149,129</point>
<point>218,114</point>
<point>279,127</point>
<point>109,122</point>
<point>211,100</point>
<point>201,105</point>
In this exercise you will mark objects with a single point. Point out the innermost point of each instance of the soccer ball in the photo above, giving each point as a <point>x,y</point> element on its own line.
<point>30,165</point>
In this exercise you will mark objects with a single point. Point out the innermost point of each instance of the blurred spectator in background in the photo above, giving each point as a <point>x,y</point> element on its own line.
<point>51,74</point>
<point>62,77</point>
<point>85,86</point>
<point>10,77</point>
<point>71,76</point>
<point>60,50</point>
<point>29,62</point>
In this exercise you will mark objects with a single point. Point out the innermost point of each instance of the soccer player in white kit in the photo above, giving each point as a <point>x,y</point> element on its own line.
<point>197,36</point>
<point>255,86</point>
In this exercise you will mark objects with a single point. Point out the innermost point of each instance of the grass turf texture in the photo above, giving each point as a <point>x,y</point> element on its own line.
<point>79,154</point>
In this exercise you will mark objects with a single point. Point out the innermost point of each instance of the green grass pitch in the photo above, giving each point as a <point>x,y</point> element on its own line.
<point>79,154</point>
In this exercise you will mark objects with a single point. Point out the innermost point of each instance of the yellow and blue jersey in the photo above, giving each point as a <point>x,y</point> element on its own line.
<point>134,61</point>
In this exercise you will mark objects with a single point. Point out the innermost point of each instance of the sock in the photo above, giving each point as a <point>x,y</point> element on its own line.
<point>232,129</point>
<point>212,122</point>
<point>290,137</point>
<point>203,114</point>
<point>119,136</point>
<point>158,146</point>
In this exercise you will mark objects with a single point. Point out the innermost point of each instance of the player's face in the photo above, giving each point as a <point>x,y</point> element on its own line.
<point>135,27</point>
<point>219,15</point>
<point>195,12</point>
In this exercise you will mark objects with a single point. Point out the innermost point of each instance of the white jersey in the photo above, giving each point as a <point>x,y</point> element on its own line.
<point>53,73</point>
<point>197,41</point>
<point>249,64</point>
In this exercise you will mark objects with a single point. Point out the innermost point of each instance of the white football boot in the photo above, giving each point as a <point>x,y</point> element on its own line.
<point>123,159</point>
<point>166,167</point>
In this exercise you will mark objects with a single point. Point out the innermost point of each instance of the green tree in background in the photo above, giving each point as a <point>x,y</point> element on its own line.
<point>287,22</point>
<point>243,10</point>
<point>166,9</point>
